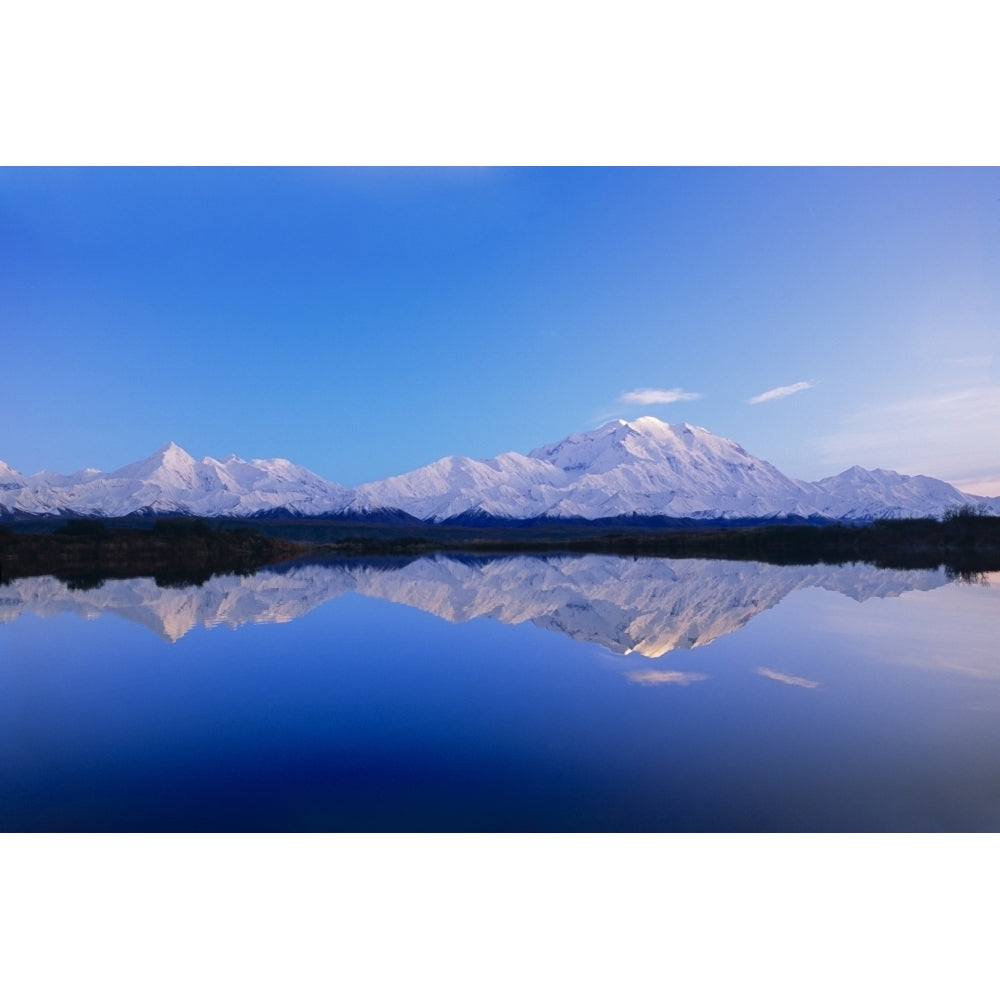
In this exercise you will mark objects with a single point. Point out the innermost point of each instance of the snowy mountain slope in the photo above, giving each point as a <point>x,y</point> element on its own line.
<point>170,481</point>
<point>644,467</point>
<point>510,485</point>
<point>647,467</point>
<point>860,494</point>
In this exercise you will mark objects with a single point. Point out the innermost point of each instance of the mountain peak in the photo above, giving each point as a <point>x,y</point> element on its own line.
<point>171,450</point>
<point>642,467</point>
<point>173,458</point>
<point>648,423</point>
<point>654,427</point>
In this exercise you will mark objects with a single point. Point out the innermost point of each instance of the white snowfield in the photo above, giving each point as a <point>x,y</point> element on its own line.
<point>643,467</point>
<point>170,481</point>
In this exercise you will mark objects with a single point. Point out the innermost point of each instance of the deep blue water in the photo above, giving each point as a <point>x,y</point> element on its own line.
<point>517,694</point>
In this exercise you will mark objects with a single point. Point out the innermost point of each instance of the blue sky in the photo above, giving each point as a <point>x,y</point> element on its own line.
<point>363,322</point>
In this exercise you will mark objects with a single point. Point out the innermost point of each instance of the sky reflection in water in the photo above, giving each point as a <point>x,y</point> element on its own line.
<point>862,699</point>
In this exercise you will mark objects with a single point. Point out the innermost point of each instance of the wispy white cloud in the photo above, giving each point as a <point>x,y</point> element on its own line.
<point>951,435</point>
<point>774,675</point>
<point>665,677</point>
<point>779,392</point>
<point>647,397</point>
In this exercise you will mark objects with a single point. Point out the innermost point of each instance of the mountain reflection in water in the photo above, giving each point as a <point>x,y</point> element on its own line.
<point>829,712</point>
<point>636,605</point>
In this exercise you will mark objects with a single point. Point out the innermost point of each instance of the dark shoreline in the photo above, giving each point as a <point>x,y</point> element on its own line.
<point>84,553</point>
<point>177,551</point>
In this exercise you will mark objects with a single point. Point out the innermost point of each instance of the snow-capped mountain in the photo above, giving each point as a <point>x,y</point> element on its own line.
<point>649,467</point>
<point>170,481</point>
<point>860,495</point>
<point>644,467</point>
<point>508,486</point>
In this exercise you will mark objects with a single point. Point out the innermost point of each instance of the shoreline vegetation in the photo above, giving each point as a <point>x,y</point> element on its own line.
<point>175,551</point>
<point>185,550</point>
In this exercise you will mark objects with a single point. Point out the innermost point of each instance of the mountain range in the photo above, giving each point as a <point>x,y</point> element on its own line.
<point>641,468</point>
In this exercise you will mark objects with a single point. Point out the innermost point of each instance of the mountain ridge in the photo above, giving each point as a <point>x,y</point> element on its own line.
<point>643,468</point>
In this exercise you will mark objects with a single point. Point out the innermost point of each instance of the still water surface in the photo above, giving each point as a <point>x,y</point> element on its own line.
<point>518,693</point>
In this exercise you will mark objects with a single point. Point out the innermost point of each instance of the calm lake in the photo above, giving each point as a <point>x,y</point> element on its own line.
<point>519,693</point>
